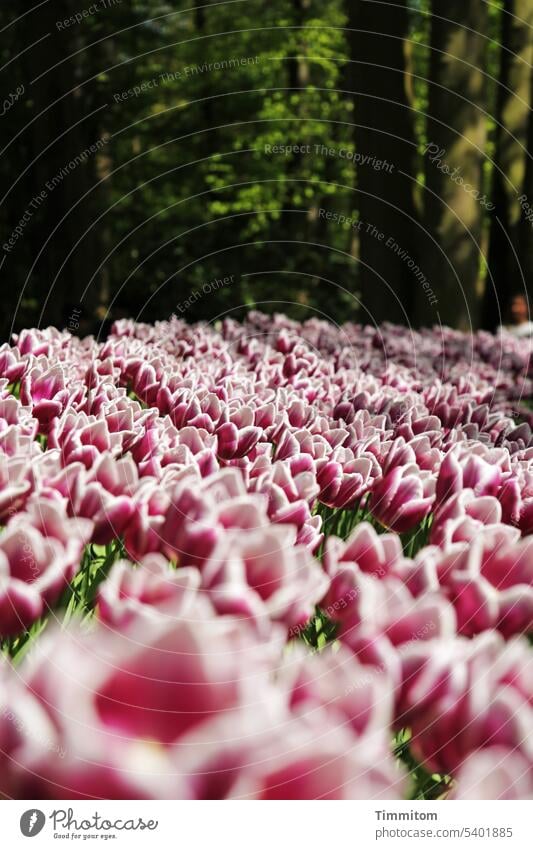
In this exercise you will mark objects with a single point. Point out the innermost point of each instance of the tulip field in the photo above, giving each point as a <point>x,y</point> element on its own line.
<point>266,560</point>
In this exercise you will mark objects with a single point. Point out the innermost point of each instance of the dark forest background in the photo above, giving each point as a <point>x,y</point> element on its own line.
<point>144,156</point>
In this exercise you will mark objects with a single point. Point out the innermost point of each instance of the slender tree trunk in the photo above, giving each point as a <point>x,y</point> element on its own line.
<point>454,196</point>
<point>200,24</point>
<point>298,78</point>
<point>385,150</point>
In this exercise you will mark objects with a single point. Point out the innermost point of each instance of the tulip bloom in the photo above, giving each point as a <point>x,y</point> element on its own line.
<point>402,498</point>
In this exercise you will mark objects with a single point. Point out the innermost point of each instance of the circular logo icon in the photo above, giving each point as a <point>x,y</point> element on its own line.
<point>32,822</point>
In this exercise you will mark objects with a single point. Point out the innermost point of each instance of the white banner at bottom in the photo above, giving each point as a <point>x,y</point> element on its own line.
<point>267,825</point>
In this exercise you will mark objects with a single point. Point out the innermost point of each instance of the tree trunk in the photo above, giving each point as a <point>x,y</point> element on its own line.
<point>56,151</point>
<point>512,114</point>
<point>524,278</point>
<point>385,158</point>
<point>298,79</point>
<point>454,197</point>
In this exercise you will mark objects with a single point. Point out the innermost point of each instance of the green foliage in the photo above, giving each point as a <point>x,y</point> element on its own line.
<point>424,785</point>
<point>188,101</point>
